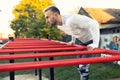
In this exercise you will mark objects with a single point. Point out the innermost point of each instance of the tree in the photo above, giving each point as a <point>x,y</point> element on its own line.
<point>29,20</point>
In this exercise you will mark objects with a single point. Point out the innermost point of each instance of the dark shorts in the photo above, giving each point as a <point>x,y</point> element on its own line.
<point>78,42</point>
<point>84,44</point>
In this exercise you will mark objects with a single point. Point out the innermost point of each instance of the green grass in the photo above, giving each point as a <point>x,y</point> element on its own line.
<point>100,71</point>
<point>104,71</point>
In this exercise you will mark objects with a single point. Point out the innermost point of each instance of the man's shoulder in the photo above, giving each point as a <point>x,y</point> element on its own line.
<point>74,18</point>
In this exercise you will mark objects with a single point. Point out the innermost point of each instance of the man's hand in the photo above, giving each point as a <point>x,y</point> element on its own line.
<point>89,48</point>
<point>70,43</point>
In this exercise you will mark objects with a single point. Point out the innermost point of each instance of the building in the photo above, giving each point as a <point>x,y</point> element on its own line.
<point>109,20</point>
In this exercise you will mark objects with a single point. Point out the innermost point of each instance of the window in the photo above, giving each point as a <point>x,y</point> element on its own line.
<point>118,30</point>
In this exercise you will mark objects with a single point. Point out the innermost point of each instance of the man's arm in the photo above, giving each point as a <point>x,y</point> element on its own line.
<point>95,35</point>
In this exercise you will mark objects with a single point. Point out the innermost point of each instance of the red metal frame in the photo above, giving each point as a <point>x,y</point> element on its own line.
<point>49,48</point>
<point>55,63</point>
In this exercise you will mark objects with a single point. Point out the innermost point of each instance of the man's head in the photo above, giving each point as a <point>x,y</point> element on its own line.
<point>52,15</point>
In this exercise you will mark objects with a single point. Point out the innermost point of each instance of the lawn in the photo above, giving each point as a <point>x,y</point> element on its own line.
<point>99,71</point>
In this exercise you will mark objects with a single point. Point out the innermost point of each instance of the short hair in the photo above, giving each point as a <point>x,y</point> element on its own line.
<point>53,9</point>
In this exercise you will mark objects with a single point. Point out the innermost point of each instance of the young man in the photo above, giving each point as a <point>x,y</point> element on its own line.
<point>84,29</point>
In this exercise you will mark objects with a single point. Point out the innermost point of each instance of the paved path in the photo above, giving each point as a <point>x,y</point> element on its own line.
<point>33,77</point>
<point>25,77</point>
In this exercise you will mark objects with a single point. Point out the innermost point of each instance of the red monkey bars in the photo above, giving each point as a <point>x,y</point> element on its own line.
<point>48,48</point>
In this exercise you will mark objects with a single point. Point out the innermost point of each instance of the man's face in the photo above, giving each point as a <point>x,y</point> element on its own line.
<point>50,18</point>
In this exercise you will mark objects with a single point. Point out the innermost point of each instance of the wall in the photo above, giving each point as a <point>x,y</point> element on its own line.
<point>107,35</point>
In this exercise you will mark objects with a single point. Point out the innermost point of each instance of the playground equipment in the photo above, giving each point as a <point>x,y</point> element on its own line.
<point>42,48</point>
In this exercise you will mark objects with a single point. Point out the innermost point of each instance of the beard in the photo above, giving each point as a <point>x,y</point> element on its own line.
<point>54,22</point>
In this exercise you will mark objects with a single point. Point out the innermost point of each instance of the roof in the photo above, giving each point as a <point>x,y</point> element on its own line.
<point>103,15</point>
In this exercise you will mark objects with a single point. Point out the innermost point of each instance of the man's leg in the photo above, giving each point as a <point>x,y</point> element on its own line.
<point>84,72</point>
<point>84,68</point>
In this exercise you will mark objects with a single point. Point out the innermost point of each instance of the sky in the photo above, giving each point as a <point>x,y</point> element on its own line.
<point>65,6</point>
<point>6,7</point>
<point>68,5</point>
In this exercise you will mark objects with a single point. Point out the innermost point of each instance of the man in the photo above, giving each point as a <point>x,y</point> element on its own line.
<point>84,29</point>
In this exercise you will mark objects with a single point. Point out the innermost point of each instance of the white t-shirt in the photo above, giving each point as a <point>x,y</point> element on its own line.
<point>81,27</point>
